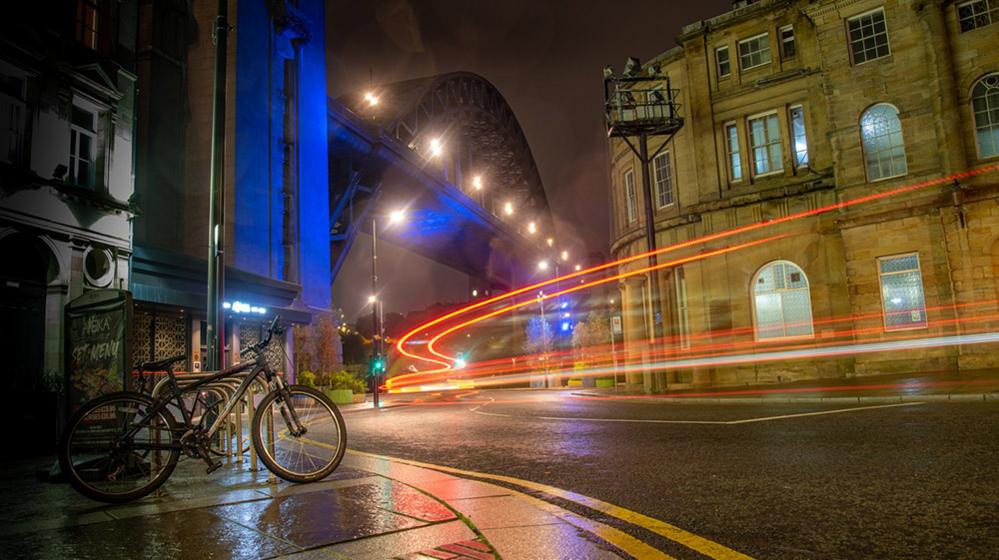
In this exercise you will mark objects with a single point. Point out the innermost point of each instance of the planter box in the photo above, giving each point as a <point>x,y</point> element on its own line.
<point>605,382</point>
<point>359,398</point>
<point>575,383</point>
<point>340,396</point>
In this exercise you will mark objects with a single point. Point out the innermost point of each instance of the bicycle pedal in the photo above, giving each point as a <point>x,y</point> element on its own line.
<point>212,467</point>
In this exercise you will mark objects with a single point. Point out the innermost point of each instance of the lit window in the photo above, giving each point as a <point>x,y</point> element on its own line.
<point>902,292</point>
<point>630,197</point>
<point>724,65</point>
<point>985,106</point>
<point>764,138</point>
<point>782,304</point>
<point>82,141</point>
<point>754,52</point>
<point>734,157</point>
<point>664,179</point>
<point>884,150</point>
<point>868,36</point>
<point>972,15</point>
<point>797,117</point>
<point>87,19</point>
<point>787,46</point>
<point>681,304</point>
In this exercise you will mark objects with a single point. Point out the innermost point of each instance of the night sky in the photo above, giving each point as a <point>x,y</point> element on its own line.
<point>545,57</point>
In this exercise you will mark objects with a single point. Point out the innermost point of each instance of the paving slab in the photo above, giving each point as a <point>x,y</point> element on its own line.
<point>496,512</point>
<point>403,543</point>
<point>546,542</point>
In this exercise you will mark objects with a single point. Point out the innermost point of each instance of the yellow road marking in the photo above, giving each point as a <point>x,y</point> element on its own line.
<point>694,542</point>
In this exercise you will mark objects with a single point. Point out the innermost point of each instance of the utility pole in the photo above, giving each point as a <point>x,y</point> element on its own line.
<point>216,209</point>
<point>375,327</point>
<point>637,105</point>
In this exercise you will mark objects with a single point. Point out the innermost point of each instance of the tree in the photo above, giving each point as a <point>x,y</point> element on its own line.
<point>538,335</point>
<point>594,331</point>
<point>317,347</point>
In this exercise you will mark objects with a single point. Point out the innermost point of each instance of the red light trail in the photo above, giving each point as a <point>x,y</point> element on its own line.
<point>447,362</point>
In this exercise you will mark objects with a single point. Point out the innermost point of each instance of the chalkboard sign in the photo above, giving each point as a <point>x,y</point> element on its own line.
<point>97,327</point>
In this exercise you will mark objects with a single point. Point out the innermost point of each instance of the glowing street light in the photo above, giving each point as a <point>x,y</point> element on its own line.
<point>396,216</point>
<point>477,182</point>
<point>565,255</point>
<point>543,265</point>
<point>508,209</point>
<point>532,228</point>
<point>550,242</point>
<point>372,299</point>
<point>579,267</point>
<point>371,99</point>
<point>436,147</point>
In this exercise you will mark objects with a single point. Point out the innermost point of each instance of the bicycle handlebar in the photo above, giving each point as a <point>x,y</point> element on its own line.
<point>273,328</point>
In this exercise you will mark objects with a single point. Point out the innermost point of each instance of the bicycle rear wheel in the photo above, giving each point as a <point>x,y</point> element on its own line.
<point>306,457</point>
<point>105,465</point>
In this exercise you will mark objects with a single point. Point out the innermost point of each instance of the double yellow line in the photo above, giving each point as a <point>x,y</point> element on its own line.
<point>618,538</point>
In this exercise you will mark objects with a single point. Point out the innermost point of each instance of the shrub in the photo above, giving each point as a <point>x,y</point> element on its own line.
<point>346,380</point>
<point>307,378</point>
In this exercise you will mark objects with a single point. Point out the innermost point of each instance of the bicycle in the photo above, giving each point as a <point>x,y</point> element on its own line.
<point>122,446</point>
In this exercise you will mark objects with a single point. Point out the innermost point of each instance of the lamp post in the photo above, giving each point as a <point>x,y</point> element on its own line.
<point>637,105</point>
<point>377,332</point>
<point>215,330</point>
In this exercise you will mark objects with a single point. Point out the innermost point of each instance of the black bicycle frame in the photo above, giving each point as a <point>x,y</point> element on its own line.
<point>177,393</point>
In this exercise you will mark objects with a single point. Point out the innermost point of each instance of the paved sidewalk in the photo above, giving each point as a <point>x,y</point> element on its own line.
<point>981,385</point>
<point>371,507</point>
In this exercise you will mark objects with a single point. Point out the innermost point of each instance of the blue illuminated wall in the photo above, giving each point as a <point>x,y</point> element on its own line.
<point>268,36</point>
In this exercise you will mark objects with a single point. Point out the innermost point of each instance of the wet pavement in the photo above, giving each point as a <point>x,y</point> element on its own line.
<point>234,513</point>
<point>792,480</point>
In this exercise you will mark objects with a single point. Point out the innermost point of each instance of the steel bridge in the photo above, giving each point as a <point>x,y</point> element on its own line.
<point>449,150</point>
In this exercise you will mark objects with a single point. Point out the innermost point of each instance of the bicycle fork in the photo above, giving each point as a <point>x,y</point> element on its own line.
<point>291,420</point>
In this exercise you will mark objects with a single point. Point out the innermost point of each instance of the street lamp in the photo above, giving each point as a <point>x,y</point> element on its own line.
<point>377,333</point>
<point>565,255</point>
<point>436,147</point>
<point>532,228</point>
<point>508,209</point>
<point>635,106</point>
<point>371,99</point>
<point>477,182</point>
<point>550,242</point>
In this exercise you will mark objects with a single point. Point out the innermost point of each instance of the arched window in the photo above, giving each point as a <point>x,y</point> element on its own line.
<point>782,306</point>
<point>985,106</point>
<point>884,150</point>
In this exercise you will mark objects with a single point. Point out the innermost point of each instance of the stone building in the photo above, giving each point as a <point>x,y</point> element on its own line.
<point>791,106</point>
<point>67,129</point>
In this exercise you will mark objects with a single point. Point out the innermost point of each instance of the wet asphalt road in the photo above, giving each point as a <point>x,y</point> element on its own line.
<point>917,481</point>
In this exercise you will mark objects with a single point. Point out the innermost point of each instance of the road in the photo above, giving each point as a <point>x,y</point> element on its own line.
<point>793,481</point>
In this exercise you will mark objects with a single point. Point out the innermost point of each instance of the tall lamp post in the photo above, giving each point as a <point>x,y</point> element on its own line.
<point>377,332</point>
<point>543,265</point>
<point>215,334</point>
<point>638,105</point>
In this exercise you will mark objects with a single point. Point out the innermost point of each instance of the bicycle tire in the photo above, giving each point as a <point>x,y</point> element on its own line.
<point>335,451</point>
<point>67,456</point>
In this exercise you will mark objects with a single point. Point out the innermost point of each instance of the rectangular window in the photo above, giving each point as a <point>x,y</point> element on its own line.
<point>663,175</point>
<point>797,118</point>
<point>754,52</point>
<point>734,157</point>
<point>724,65</point>
<point>87,20</point>
<point>630,197</point>
<point>868,35</point>
<point>902,292</point>
<point>12,117</point>
<point>681,307</point>
<point>979,13</point>
<point>764,139</point>
<point>787,46</point>
<point>82,144</point>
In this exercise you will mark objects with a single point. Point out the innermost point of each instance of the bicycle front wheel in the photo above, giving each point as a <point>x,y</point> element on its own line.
<point>306,457</point>
<point>114,451</point>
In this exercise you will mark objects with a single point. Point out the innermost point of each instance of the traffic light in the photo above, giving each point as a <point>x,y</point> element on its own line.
<point>378,365</point>
<point>461,360</point>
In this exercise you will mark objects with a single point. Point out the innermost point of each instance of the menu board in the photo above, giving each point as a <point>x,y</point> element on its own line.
<point>97,327</point>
